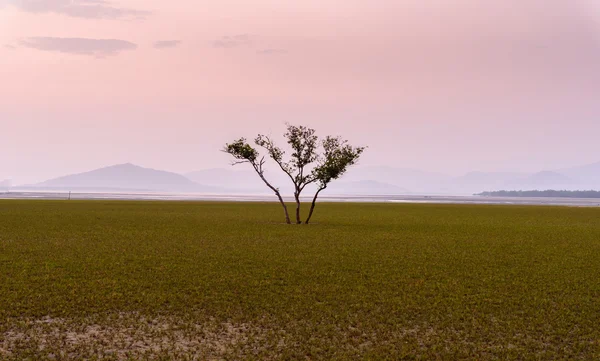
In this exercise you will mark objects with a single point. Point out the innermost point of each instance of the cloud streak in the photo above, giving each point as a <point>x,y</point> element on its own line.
<point>166,44</point>
<point>228,42</point>
<point>99,48</point>
<point>87,9</point>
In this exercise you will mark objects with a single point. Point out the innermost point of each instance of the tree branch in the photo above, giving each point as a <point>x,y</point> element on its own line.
<point>269,145</point>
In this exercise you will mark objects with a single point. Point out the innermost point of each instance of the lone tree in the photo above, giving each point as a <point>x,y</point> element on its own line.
<point>311,161</point>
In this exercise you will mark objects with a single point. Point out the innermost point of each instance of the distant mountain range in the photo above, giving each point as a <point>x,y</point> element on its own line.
<point>125,177</point>
<point>411,180</point>
<point>589,173</point>
<point>419,182</point>
<point>5,184</point>
<point>246,181</point>
<point>358,181</point>
<point>238,179</point>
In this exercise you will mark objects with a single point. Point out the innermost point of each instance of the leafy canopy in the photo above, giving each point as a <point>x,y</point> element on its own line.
<point>337,157</point>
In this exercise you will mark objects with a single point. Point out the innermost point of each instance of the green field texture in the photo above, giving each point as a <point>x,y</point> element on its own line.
<point>120,280</point>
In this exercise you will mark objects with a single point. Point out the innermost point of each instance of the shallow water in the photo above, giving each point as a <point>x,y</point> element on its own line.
<point>582,202</point>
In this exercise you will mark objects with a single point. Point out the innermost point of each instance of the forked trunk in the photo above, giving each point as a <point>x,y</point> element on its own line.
<point>312,206</point>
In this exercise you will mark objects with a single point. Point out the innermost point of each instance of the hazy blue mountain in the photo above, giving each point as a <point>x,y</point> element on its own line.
<point>235,179</point>
<point>481,181</point>
<point>587,175</point>
<point>366,187</point>
<point>242,179</point>
<point>542,181</point>
<point>389,180</point>
<point>575,178</point>
<point>358,181</point>
<point>408,179</point>
<point>126,177</point>
<point>549,177</point>
<point>5,184</point>
<point>239,179</point>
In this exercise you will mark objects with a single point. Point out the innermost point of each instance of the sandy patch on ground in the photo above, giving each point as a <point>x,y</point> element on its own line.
<point>131,336</point>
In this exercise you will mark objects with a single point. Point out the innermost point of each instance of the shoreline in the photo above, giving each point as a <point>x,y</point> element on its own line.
<point>415,199</point>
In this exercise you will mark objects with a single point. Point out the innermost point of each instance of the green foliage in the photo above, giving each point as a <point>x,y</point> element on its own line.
<point>338,156</point>
<point>303,142</point>
<point>241,150</point>
<point>274,151</point>
<point>370,281</point>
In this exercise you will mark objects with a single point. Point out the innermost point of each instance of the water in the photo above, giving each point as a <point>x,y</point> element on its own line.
<point>439,199</point>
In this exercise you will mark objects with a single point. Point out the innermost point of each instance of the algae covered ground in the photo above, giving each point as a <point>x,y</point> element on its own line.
<point>120,280</point>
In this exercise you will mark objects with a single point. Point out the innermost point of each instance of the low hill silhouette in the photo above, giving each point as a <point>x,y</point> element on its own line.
<point>125,177</point>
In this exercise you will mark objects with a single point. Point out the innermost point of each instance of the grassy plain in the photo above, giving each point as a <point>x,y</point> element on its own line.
<point>183,280</point>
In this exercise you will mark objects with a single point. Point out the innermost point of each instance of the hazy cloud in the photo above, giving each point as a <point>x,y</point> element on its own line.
<point>89,9</point>
<point>10,47</point>
<point>232,41</point>
<point>99,48</point>
<point>164,44</point>
<point>272,51</point>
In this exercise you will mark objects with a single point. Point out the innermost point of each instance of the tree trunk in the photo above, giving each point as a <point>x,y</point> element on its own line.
<point>312,206</point>
<point>297,197</point>
<point>287,215</point>
<point>260,174</point>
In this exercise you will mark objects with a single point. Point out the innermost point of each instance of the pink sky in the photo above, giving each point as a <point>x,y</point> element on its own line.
<point>442,85</point>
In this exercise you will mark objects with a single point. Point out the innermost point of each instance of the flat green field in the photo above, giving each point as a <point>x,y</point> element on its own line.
<point>185,280</point>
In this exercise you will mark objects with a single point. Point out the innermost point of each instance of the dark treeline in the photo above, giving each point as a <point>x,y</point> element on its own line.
<point>546,193</point>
